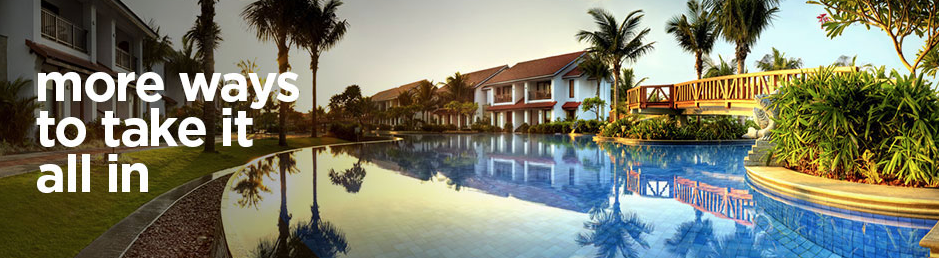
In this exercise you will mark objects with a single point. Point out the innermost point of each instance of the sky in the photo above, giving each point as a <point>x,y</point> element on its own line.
<point>394,42</point>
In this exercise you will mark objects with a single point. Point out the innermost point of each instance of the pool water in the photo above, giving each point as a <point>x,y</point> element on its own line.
<point>505,195</point>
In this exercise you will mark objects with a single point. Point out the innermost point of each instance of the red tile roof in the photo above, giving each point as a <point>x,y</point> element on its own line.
<point>570,105</point>
<point>477,78</point>
<point>393,93</point>
<point>536,68</point>
<point>47,52</point>
<point>577,72</point>
<point>520,105</point>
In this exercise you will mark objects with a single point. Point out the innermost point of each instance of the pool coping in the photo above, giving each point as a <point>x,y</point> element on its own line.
<point>227,235</point>
<point>138,221</point>
<point>922,203</point>
<point>631,141</point>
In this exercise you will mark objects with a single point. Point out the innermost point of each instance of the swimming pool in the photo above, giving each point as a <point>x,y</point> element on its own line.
<point>507,195</point>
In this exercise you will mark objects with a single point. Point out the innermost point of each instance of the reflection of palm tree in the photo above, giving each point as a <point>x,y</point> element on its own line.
<point>252,183</point>
<point>319,236</point>
<point>690,235</point>
<point>741,243</point>
<point>351,179</point>
<point>614,232</point>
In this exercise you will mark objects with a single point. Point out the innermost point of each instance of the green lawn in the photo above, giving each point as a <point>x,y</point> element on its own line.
<point>33,224</point>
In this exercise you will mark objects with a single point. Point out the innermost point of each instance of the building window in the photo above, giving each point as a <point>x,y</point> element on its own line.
<point>570,114</point>
<point>547,115</point>
<point>542,91</point>
<point>570,88</point>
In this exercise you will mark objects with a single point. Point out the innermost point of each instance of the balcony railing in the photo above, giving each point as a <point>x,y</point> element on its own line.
<point>60,30</point>
<point>125,60</point>
<point>503,98</point>
<point>539,95</point>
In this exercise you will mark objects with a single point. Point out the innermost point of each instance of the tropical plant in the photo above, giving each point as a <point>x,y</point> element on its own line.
<point>17,112</point>
<point>458,88</point>
<point>594,67</point>
<point>628,80</point>
<point>206,34</point>
<point>318,31</point>
<point>276,20</point>
<point>742,22</point>
<point>863,126</point>
<point>722,68</point>
<point>156,49</point>
<point>898,18</point>
<point>778,61</point>
<point>593,105</point>
<point>695,34</point>
<point>616,43</point>
<point>424,93</point>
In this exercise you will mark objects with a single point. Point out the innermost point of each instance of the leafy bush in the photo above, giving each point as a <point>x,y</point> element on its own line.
<point>345,131</point>
<point>589,126</point>
<point>659,128</point>
<point>508,127</point>
<point>400,128</point>
<point>552,128</point>
<point>384,127</point>
<point>522,128</point>
<point>619,128</point>
<point>862,126</point>
<point>437,128</point>
<point>484,127</point>
<point>17,113</point>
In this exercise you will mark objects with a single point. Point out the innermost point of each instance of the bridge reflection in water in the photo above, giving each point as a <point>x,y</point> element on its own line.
<point>723,202</point>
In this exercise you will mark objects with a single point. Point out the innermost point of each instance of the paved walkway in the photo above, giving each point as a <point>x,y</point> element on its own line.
<point>11,165</point>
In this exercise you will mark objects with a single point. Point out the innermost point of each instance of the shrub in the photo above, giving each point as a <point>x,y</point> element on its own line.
<point>862,126</point>
<point>522,128</point>
<point>384,127</point>
<point>508,127</point>
<point>400,128</point>
<point>17,113</point>
<point>659,128</point>
<point>590,126</point>
<point>552,128</point>
<point>619,128</point>
<point>437,128</point>
<point>345,131</point>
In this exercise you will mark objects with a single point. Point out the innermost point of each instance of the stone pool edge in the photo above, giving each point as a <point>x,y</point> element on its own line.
<point>895,201</point>
<point>227,235</point>
<point>630,141</point>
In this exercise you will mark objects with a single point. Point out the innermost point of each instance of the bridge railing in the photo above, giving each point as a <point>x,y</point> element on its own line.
<point>723,90</point>
<point>646,96</point>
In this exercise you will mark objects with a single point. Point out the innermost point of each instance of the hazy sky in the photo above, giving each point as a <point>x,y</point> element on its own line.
<point>394,42</point>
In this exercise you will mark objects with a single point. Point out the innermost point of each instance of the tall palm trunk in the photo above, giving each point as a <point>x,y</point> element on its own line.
<point>616,71</point>
<point>283,66</point>
<point>599,115</point>
<point>208,67</point>
<point>698,63</point>
<point>314,66</point>
<point>741,55</point>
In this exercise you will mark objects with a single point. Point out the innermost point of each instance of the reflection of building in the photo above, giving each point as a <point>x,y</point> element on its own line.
<point>44,36</point>
<point>723,202</point>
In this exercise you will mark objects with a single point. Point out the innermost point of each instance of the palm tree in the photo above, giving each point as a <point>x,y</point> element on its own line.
<point>722,68</point>
<point>320,30</point>
<point>425,96</point>
<point>458,88</point>
<point>275,20</point>
<point>156,50</point>
<point>614,232</point>
<point>616,44</point>
<point>695,34</point>
<point>594,67</point>
<point>206,34</point>
<point>628,80</point>
<point>17,112</point>
<point>742,21</point>
<point>778,61</point>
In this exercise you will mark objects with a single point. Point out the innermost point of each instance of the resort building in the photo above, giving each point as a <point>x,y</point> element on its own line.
<point>82,36</point>
<point>475,80</point>
<point>388,99</point>
<point>541,91</point>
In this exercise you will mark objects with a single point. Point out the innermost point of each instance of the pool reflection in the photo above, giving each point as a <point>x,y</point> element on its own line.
<point>503,195</point>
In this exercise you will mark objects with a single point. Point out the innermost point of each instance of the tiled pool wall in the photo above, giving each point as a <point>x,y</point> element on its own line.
<point>845,232</point>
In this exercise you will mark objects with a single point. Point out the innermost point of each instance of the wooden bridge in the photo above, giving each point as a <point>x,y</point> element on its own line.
<point>725,95</point>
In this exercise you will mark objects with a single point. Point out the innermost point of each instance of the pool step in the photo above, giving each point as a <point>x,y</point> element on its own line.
<point>757,154</point>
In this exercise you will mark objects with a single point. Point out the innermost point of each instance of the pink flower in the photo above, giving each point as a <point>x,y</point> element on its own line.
<point>823,18</point>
